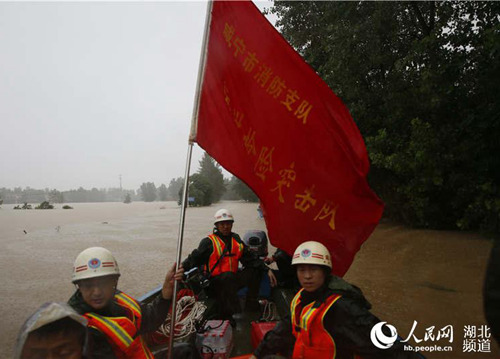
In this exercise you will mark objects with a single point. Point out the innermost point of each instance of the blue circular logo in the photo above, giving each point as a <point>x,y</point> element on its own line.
<point>94,263</point>
<point>305,253</point>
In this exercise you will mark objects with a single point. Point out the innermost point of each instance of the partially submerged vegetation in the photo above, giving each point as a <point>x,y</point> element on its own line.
<point>43,205</point>
<point>24,206</point>
<point>208,186</point>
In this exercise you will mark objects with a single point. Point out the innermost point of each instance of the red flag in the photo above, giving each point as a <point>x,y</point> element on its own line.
<point>268,118</point>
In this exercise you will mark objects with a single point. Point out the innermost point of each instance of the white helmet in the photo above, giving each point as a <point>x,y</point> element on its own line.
<point>94,262</point>
<point>223,215</point>
<point>312,253</point>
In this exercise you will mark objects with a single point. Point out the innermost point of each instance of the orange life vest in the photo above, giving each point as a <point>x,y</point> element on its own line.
<point>312,340</point>
<point>121,332</point>
<point>230,261</point>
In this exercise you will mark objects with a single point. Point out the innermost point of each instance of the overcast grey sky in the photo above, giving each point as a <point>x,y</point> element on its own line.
<point>90,90</point>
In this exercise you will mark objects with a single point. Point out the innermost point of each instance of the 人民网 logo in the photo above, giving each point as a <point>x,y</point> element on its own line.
<point>385,340</point>
<point>305,253</point>
<point>379,339</point>
<point>94,263</point>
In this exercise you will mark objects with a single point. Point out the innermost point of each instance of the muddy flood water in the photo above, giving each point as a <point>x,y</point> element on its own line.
<point>431,277</point>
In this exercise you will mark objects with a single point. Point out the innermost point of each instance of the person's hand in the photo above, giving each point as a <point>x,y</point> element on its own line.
<point>269,260</point>
<point>168,285</point>
<point>272,278</point>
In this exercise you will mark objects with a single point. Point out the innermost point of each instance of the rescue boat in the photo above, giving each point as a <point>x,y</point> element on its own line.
<point>219,339</point>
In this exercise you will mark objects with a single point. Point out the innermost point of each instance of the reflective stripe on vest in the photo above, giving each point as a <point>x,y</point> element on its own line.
<point>228,263</point>
<point>126,301</point>
<point>121,332</point>
<point>111,326</point>
<point>313,340</point>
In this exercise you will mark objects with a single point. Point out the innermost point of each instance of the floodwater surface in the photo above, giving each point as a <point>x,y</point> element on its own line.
<point>431,277</point>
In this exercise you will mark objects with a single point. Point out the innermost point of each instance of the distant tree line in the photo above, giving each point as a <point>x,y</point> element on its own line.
<point>207,186</point>
<point>200,188</point>
<point>421,80</point>
<point>31,195</point>
<point>148,192</point>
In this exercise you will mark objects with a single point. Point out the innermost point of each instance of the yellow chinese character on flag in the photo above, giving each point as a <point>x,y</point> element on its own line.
<point>328,210</point>
<point>239,45</point>
<point>249,141</point>
<point>264,163</point>
<point>291,98</point>
<point>263,74</point>
<point>238,118</point>
<point>287,177</point>
<point>227,99</point>
<point>250,62</point>
<point>305,201</point>
<point>303,111</point>
<point>228,33</point>
<point>276,86</point>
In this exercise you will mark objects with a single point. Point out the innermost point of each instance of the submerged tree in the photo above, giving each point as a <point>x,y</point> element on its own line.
<point>162,192</point>
<point>229,194</point>
<point>211,171</point>
<point>242,190</point>
<point>199,191</point>
<point>174,186</point>
<point>148,192</point>
<point>45,205</point>
<point>24,206</point>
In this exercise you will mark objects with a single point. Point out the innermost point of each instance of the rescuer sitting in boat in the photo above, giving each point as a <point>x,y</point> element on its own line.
<point>55,330</point>
<point>257,242</point>
<point>330,318</point>
<point>219,254</point>
<point>116,321</point>
<point>286,276</point>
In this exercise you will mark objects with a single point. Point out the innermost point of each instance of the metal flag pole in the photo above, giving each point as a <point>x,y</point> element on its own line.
<point>192,138</point>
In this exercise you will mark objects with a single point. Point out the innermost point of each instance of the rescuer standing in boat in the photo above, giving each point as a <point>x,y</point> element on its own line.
<point>330,318</point>
<point>116,321</point>
<point>219,254</point>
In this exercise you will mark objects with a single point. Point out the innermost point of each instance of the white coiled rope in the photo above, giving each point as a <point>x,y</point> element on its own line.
<point>186,325</point>
<point>270,312</point>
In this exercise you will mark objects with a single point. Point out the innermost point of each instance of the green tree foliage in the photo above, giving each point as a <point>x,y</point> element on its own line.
<point>45,205</point>
<point>229,194</point>
<point>162,192</point>
<point>128,199</point>
<point>242,190</point>
<point>77,195</point>
<point>148,191</point>
<point>199,189</point>
<point>31,195</point>
<point>24,206</point>
<point>174,186</point>
<point>212,172</point>
<point>421,81</point>
<point>56,196</point>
